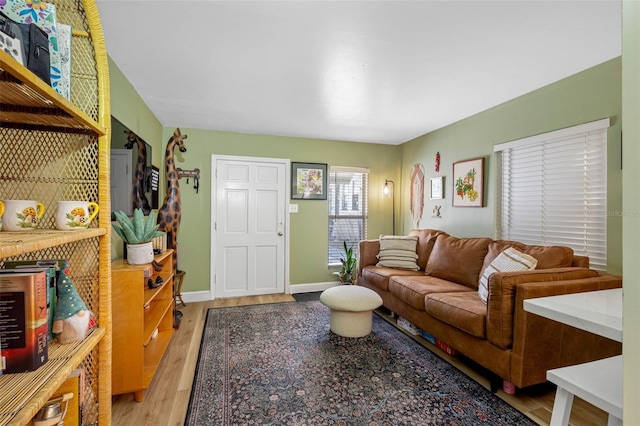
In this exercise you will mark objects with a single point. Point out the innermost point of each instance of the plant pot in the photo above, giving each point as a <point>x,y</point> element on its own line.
<point>140,254</point>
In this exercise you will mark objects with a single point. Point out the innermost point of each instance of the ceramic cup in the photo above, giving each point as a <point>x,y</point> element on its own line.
<point>20,215</point>
<point>73,215</point>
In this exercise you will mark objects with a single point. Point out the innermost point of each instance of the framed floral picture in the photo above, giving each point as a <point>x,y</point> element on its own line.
<point>308,181</point>
<point>468,183</point>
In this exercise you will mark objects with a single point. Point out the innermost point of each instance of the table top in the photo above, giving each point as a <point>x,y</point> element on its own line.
<point>599,312</point>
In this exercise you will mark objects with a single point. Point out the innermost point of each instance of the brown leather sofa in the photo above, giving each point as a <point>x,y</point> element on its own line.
<point>442,299</point>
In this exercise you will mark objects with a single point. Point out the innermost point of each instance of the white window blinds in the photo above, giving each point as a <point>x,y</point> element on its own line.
<point>348,209</point>
<point>551,189</point>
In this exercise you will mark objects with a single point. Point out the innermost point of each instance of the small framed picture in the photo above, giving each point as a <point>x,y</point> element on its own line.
<point>308,181</point>
<point>436,188</point>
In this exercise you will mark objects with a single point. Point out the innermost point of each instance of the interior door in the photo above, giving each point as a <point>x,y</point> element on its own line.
<point>121,178</point>
<point>249,226</point>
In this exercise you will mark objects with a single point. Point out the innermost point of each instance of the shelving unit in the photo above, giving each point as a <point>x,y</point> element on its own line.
<point>54,149</point>
<point>137,347</point>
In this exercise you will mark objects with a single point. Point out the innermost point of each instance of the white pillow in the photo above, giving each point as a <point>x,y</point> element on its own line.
<point>510,260</point>
<point>398,252</point>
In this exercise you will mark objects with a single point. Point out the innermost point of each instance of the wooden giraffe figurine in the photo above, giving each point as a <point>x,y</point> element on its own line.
<point>138,197</point>
<point>170,213</point>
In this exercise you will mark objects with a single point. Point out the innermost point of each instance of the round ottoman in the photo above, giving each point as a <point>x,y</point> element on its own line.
<point>351,307</point>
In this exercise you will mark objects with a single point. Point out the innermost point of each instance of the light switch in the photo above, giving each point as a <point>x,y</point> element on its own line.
<point>293,208</point>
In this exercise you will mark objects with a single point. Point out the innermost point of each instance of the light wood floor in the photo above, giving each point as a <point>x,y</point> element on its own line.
<point>165,401</point>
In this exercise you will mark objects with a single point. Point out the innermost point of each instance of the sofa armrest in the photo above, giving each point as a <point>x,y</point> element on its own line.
<point>367,254</point>
<point>501,304</point>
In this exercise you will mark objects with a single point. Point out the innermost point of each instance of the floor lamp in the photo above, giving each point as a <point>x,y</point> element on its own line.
<point>389,192</point>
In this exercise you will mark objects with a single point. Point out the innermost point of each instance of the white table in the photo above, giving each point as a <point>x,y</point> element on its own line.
<point>598,382</point>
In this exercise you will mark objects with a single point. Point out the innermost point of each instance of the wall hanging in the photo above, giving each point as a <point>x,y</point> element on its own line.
<point>436,188</point>
<point>417,193</point>
<point>308,181</point>
<point>468,181</point>
<point>194,174</point>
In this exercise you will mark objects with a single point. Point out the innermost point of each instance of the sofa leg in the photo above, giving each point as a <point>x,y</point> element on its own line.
<point>508,387</point>
<point>494,383</point>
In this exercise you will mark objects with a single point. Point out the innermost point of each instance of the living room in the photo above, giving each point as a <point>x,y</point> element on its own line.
<point>589,95</point>
<point>606,89</point>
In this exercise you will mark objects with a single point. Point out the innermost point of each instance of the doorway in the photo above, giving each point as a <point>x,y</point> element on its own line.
<point>249,226</point>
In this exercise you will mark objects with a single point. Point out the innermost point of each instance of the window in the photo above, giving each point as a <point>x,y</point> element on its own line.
<point>552,190</point>
<point>348,209</point>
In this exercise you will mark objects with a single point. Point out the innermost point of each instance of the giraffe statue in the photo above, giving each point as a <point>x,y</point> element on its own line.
<point>170,213</point>
<point>138,198</point>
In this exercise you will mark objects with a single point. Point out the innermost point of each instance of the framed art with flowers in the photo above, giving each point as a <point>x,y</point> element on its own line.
<point>468,183</point>
<point>308,181</point>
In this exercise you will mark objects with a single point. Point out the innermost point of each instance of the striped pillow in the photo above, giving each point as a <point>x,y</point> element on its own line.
<point>398,252</point>
<point>510,260</point>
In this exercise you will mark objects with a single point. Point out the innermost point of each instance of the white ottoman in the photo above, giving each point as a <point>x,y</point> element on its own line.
<point>351,307</point>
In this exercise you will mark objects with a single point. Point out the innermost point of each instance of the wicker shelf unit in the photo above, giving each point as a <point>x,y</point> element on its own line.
<point>55,149</point>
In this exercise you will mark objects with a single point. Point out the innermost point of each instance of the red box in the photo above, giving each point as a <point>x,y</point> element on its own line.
<point>445,347</point>
<point>23,321</point>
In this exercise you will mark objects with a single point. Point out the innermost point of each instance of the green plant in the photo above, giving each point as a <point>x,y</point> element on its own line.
<point>345,274</point>
<point>138,230</point>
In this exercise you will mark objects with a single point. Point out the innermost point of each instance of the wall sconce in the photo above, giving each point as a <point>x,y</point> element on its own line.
<point>389,193</point>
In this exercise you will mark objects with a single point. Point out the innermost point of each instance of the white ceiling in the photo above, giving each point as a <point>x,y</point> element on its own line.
<point>366,71</point>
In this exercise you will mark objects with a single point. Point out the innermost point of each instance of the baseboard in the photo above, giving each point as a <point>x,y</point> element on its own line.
<point>205,296</point>
<point>310,288</point>
<point>196,296</point>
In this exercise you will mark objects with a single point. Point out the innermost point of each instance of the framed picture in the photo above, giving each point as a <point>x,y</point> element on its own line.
<point>436,191</point>
<point>468,183</point>
<point>308,181</point>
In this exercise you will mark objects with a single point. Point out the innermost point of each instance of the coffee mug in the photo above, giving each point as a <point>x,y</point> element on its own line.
<point>75,214</point>
<point>20,215</point>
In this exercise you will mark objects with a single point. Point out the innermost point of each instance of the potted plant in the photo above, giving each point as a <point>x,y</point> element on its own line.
<point>345,274</point>
<point>137,235</point>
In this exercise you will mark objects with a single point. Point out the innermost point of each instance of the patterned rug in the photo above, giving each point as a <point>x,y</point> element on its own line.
<point>279,364</point>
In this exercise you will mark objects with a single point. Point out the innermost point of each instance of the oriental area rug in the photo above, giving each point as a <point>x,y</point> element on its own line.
<point>279,364</point>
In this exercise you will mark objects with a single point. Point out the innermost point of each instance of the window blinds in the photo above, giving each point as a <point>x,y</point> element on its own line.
<point>552,189</point>
<point>348,209</point>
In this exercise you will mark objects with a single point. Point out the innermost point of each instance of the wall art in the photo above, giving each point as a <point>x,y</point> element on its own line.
<point>308,181</point>
<point>468,183</point>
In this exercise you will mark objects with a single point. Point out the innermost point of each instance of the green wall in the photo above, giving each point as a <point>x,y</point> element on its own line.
<point>308,228</point>
<point>587,96</point>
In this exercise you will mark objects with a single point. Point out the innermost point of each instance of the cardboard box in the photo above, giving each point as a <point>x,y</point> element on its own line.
<point>428,337</point>
<point>408,326</point>
<point>445,347</point>
<point>23,321</point>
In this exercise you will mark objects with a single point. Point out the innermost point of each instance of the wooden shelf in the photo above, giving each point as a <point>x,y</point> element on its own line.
<point>153,355</point>
<point>25,100</point>
<point>141,311</point>
<point>17,243</point>
<point>35,387</point>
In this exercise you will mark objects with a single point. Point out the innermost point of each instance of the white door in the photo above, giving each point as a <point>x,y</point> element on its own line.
<point>121,181</point>
<point>249,226</point>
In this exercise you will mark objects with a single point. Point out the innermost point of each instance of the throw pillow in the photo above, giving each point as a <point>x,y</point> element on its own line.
<point>398,252</point>
<point>510,260</point>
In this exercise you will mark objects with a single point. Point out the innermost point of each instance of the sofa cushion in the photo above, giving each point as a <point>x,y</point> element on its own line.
<point>458,259</point>
<point>379,276</point>
<point>412,290</point>
<point>463,310</point>
<point>426,240</point>
<point>547,256</point>
<point>398,252</point>
<point>510,260</point>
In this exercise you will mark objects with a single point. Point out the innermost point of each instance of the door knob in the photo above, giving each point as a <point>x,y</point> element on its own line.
<point>280,233</point>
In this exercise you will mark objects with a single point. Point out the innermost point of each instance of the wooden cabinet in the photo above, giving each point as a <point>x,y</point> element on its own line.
<point>142,322</point>
<point>54,149</point>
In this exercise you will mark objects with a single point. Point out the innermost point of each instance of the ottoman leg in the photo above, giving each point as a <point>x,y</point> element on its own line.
<point>351,324</point>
